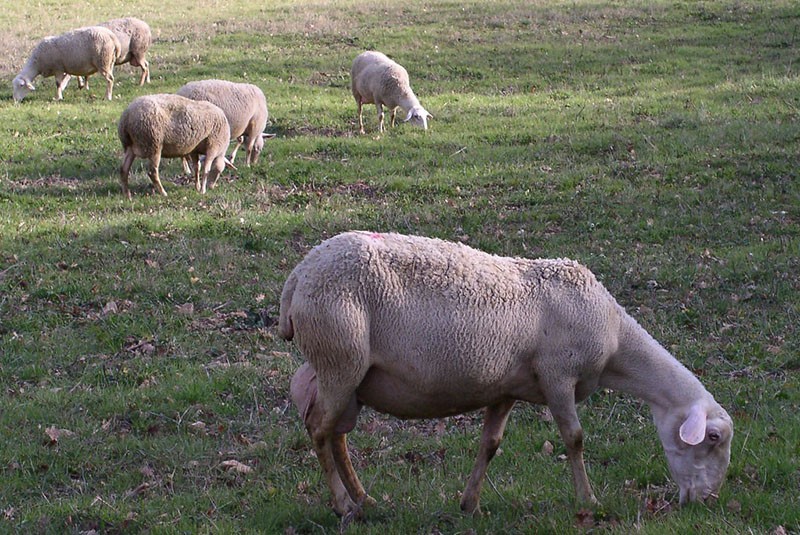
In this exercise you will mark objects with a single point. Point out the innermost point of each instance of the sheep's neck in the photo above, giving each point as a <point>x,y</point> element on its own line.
<point>407,102</point>
<point>643,368</point>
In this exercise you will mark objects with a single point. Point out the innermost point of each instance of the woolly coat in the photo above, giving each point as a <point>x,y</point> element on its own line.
<point>479,320</point>
<point>376,79</point>
<point>420,328</point>
<point>244,105</point>
<point>173,126</point>
<point>78,52</point>
<point>135,39</point>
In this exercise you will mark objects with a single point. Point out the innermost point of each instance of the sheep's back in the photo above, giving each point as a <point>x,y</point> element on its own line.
<point>242,104</point>
<point>134,35</point>
<point>78,52</point>
<point>469,313</point>
<point>175,124</point>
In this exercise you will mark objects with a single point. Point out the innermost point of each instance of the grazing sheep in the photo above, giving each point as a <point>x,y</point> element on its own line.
<point>135,37</point>
<point>376,79</point>
<point>80,52</point>
<point>423,328</point>
<point>171,126</point>
<point>245,107</point>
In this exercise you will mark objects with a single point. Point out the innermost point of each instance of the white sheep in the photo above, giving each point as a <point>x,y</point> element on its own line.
<point>245,107</point>
<point>80,52</point>
<point>424,328</point>
<point>135,37</point>
<point>376,79</point>
<point>171,126</point>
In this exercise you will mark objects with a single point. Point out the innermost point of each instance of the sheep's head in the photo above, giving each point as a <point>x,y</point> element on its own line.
<point>419,117</point>
<point>21,87</point>
<point>258,146</point>
<point>698,448</point>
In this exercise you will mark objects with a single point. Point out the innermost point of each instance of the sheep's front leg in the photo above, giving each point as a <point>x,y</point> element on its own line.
<point>494,424</point>
<point>62,79</point>
<point>360,116</point>
<point>155,161</point>
<point>109,76</point>
<point>380,116</point>
<point>145,72</point>
<point>561,401</point>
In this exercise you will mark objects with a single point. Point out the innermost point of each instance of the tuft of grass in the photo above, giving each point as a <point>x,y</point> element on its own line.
<point>656,142</point>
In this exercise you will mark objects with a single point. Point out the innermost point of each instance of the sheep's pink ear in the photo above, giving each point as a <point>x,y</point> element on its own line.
<point>430,115</point>
<point>408,117</point>
<point>264,135</point>
<point>693,430</point>
<point>230,165</point>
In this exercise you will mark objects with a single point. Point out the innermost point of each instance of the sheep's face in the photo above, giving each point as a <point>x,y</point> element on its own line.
<point>699,451</point>
<point>21,88</point>
<point>418,117</point>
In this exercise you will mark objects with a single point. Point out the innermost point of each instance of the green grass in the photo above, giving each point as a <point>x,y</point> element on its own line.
<point>656,142</point>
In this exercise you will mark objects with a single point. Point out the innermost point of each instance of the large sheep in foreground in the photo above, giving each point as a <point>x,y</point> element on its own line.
<point>171,126</point>
<point>376,79</point>
<point>245,107</point>
<point>423,328</point>
<point>79,52</point>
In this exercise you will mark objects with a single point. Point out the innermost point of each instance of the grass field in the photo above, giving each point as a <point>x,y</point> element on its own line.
<point>658,142</point>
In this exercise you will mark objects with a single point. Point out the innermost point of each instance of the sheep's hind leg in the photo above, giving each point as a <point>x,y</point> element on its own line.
<point>494,424</point>
<point>333,413</point>
<point>561,402</point>
<point>125,170</point>
<point>347,473</point>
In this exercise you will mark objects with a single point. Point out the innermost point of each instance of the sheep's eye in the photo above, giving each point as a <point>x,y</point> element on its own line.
<point>713,436</point>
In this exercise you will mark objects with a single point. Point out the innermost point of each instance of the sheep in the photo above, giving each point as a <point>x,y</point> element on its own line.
<point>376,79</point>
<point>80,52</point>
<point>423,328</point>
<point>172,126</point>
<point>135,37</point>
<point>245,107</point>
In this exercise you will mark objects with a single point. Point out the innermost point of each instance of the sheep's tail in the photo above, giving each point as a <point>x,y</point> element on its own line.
<point>285,327</point>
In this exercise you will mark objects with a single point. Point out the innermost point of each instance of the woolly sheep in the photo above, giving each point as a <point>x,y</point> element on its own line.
<point>423,328</point>
<point>172,126</point>
<point>376,79</point>
<point>80,52</point>
<point>135,38</point>
<point>245,107</point>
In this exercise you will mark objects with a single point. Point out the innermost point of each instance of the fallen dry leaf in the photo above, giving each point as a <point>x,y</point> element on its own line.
<point>110,308</point>
<point>187,309</point>
<point>734,506</point>
<point>547,447</point>
<point>54,433</point>
<point>236,466</point>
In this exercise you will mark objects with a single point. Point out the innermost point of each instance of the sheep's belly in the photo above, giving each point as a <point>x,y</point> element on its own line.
<point>403,398</point>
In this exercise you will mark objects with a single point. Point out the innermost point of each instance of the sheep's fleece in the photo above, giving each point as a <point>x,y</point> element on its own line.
<point>422,328</point>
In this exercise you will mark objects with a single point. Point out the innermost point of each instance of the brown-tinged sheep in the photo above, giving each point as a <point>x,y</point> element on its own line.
<point>171,126</point>
<point>424,328</point>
